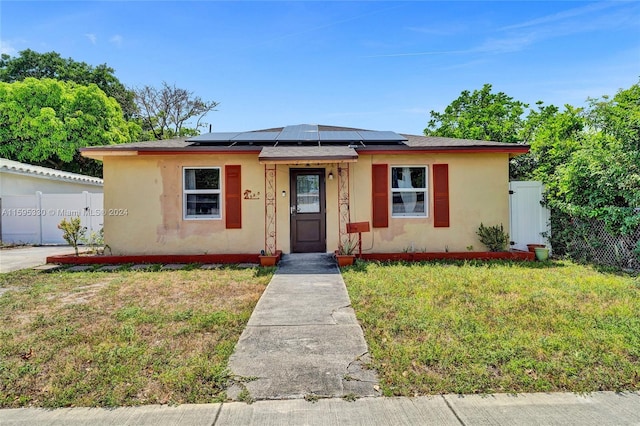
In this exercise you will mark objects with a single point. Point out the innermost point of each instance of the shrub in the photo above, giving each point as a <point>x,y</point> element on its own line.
<point>493,237</point>
<point>72,231</point>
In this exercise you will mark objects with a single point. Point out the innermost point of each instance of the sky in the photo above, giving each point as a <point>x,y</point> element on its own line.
<point>366,64</point>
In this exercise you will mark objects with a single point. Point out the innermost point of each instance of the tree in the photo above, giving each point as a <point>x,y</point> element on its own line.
<point>164,112</point>
<point>52,65</point>
<point>45,121</point>
<point>595,173</point>
<point>481,115</point>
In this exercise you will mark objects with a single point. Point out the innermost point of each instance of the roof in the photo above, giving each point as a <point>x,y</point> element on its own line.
<point>302,154</point>
<point>10,166</point>
<point>300,134</point>
<point>323,137</point>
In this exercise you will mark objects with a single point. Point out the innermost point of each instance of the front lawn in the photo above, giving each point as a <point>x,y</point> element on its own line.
<point>121,338</point>
<point>498,327</point>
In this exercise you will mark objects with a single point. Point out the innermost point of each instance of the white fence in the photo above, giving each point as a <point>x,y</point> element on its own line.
<point>530,220</point>
<point>34,219</point>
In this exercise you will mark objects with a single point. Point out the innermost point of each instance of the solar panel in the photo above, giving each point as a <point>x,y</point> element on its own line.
<point>339,136</point>
<point>300,132</point>
<point>256,137</point>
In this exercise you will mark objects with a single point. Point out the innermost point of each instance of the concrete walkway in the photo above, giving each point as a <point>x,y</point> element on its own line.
<point>303,338</point>
<point>563,409</point>
<point>13,259</point>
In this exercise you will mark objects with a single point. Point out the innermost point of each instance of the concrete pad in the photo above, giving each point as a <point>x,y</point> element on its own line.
<point>599,408</point>
<point>151,415</point>
<point>47,268</point>
<point>14,259</point>
<point>211,266</point>
<point>141,267</point>
<point>79,268</point>
<point>109,268</point>
<point>304,299</point>
<point>173,266</point>
<point>365,411</point>
<point>298,361</point>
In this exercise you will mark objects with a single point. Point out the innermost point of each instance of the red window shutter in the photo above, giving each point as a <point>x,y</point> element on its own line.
<point>232,197</point>
<point>441,195</point>
<point>380,190</point>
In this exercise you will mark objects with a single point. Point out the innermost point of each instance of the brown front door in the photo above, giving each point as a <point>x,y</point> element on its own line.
<point>308,215</point>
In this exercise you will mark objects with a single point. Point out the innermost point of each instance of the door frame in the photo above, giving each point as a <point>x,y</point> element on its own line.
<point>322,215</point>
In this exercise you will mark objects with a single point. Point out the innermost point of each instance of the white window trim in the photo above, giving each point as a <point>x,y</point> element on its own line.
<point>425,190</point>
<point>186,191</point>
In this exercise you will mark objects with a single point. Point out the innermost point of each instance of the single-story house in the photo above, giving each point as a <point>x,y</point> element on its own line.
<point>296,188</point>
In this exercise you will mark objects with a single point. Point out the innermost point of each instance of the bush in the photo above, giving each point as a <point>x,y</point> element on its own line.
<point>493,237</point>
<point>72,231</point>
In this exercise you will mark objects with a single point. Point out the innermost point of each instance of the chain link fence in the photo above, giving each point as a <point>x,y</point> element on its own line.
<point>591,242</point>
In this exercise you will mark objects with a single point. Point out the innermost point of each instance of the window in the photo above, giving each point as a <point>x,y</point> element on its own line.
<point>409,191</point>
<point>201,198</point>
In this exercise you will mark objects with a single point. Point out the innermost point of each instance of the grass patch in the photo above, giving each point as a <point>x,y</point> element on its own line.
<point>121,338</point>
<point>481,327</point>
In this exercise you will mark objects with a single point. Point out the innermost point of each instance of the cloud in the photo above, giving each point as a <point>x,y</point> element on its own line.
<point>561,16</point>
<point>6,47</point>
<point>439,30</point>
<point>117,40</point>
<point>434,52</point>
<point>92,38</point>
<point>520,36</point>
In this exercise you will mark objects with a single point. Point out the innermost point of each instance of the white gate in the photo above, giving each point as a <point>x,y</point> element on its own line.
<point>34,219</point>
<point>529,218</point>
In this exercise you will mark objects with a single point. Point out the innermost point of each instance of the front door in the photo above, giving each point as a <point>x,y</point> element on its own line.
<point>308,215</point>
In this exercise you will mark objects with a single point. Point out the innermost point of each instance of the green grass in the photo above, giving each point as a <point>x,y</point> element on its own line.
<point>121,338</point>
<point>498,327</point>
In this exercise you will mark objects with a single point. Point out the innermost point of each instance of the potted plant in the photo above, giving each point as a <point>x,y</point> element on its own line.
<point>344,254</point>
<point>269,258</point>
<point>542,253</point>
<point>532,247</point>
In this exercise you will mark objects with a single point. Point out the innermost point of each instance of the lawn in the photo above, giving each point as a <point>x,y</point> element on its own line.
<point>121,338</point>
<point>498,327</point>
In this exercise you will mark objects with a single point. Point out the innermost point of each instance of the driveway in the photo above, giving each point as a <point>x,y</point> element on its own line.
<point>13,259</point>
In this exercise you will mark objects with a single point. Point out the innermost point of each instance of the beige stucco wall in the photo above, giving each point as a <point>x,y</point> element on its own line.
<point>478,192</point>
<point>150,189</point>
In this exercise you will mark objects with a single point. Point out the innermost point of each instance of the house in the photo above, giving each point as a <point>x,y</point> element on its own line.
<point>35,199</point>
<point>296,188</point>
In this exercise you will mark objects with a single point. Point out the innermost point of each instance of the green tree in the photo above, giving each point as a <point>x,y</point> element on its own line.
<point>51,65</point>
<point>45,122</point>
<point>596,172</point>
<point>480,115</point>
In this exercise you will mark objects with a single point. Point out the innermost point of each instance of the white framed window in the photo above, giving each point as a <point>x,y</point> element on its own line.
<point>201,189</point>
<point>409,191</point>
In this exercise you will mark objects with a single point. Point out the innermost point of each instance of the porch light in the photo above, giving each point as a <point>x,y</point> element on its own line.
<point>284,193</point>
<point>331,175</point>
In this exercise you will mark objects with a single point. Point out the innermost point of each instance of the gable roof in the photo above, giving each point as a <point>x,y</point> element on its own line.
<point>10,166</point>
<point>322,137</point>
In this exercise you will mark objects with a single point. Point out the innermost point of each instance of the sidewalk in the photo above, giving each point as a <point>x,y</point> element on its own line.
<point>600,408</point>
<point>303,339</point>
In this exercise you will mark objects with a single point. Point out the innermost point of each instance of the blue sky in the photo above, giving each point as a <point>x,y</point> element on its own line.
<point>373,65</point>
